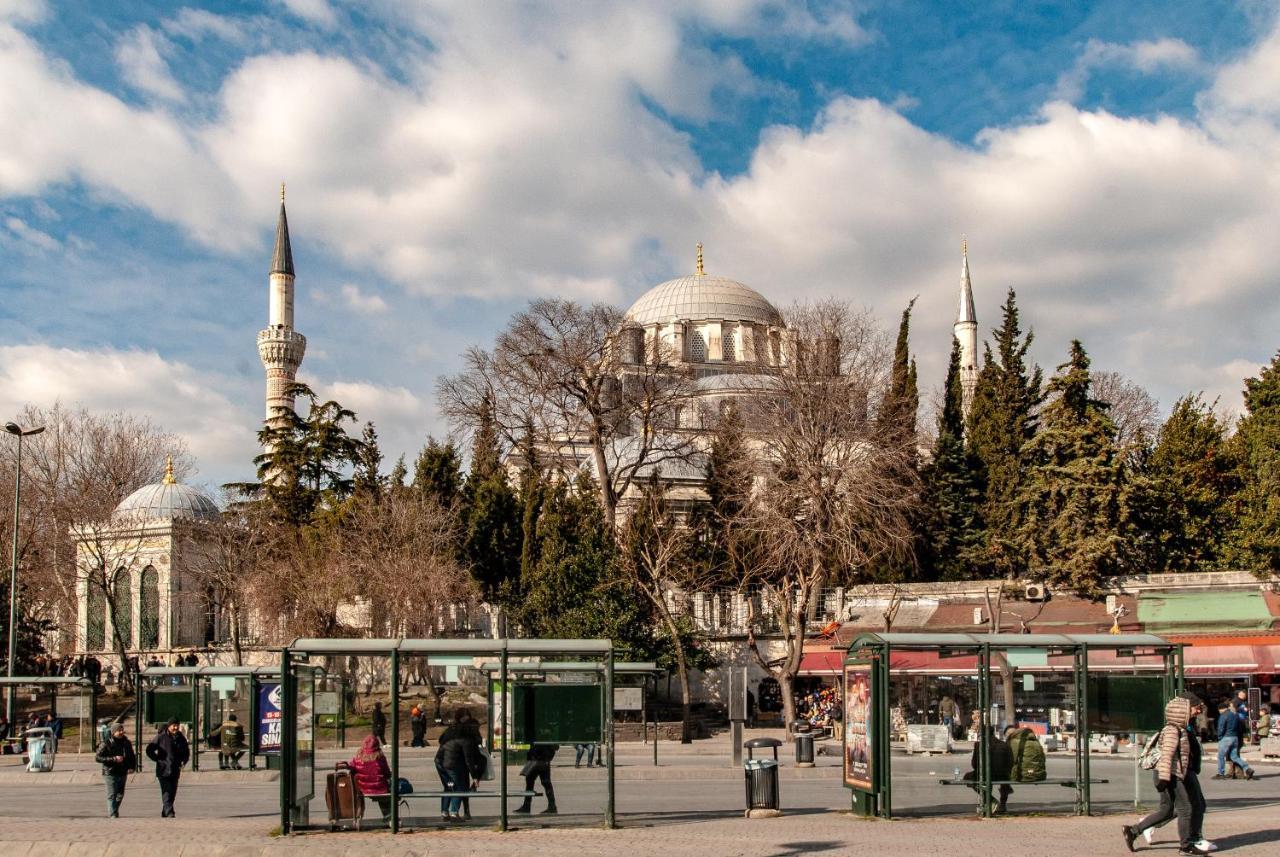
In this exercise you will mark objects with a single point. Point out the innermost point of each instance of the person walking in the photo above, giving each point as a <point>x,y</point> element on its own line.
<point>1165,812</point>
<point>537,766</point>
<point>378,723</point>
<point>1231,731</point>
<point>1175,775</point>
<point>117,759</point>
<point>233,745</point>
<point>418,725</point>
<point>460,764</point>
<point>170,751</point>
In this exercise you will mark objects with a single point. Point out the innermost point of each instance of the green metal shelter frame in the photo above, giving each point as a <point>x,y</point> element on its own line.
<point>596,655</point>
<point>873,652</point>
<point>198,683</point>
<point>53,683</point>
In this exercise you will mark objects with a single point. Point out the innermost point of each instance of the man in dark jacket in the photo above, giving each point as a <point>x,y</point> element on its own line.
<point>459,763</point>
<point>1001,766</point>
<point>117,759</point>
<point>231,744</point>
<point>378,722</point>
<point>538,767</point>
<point>170,751</point>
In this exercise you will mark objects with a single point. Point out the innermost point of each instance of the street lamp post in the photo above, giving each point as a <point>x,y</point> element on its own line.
<point>20,433</point>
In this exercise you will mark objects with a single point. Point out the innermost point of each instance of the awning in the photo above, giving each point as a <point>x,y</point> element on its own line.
<point>822,663</point>
<point>1166,612</point>
<point>1227,660</point>
<point>928,663</point>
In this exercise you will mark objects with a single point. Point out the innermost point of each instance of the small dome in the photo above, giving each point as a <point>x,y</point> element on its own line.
<point>167,500</point>
<point>702,296</point>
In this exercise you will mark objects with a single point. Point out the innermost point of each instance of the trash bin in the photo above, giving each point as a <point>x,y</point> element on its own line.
<point>762,779</point>
<point>804,745</point>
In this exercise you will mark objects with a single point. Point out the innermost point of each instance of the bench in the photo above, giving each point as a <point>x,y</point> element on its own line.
<point>1067,782</point>
<point>417,794</point>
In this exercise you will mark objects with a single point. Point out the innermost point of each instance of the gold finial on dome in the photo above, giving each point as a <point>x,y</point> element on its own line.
<point>169,478</point>
<point>700,271</point>
<point>282,191</point>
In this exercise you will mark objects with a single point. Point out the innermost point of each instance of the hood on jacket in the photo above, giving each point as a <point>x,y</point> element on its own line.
<point>1178,712</point>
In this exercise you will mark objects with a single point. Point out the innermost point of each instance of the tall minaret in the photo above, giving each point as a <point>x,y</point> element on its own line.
<point>966,332</point>
<point>280,346</point>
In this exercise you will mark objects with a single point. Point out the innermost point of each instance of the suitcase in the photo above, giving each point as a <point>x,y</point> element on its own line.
<point>342,797</point>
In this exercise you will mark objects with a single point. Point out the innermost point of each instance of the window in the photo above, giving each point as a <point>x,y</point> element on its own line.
<point>123,615</point>
<point>697,347</point>
<point>149,609</point>
<point>729,343</point>
<point>95,637</point>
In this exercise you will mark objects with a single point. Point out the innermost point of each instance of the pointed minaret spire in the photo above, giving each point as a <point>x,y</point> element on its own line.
<point>279,345</point>
<point>282,256</point>
<point>966,331</point>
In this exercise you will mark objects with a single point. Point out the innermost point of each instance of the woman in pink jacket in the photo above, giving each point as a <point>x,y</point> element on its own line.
<point>373,774</point>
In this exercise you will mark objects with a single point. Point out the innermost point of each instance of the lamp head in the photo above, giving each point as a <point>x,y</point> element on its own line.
<point>12,428</point>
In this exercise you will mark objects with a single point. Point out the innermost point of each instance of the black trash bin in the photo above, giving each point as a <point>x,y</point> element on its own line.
<point>803,734</point>
<point>762,779</point>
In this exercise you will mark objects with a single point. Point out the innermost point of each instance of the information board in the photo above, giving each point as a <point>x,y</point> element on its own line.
<point>1124,704</point>
<point>628,699</point>
<point>72,706</point>
<point>859,709</point>
<point>164,704</point>
<point>267,731</point>
<point>327,703</point>
<point>557,713</point>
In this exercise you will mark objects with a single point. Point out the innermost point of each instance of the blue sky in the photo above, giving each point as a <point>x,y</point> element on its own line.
<point>1115,162</point>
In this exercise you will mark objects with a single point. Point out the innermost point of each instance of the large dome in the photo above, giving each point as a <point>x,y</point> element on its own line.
<point>167,500</point>
<point>702,296</point>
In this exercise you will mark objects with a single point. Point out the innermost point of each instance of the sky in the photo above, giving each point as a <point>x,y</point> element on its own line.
<point>1116,163</point>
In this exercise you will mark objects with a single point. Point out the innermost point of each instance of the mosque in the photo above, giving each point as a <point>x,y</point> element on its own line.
<point>725,333</point>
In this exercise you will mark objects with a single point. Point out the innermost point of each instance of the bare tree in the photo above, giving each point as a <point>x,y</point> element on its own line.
<point>833,488</point>
<point>1134,411</point>
<point>228,561</point>
<point>656,557</point>
<point>587,387</point>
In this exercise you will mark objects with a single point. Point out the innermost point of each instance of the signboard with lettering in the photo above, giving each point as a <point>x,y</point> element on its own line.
<point>267,734</point>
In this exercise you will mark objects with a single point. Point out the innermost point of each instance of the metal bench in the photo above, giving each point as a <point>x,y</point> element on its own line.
<point>1068,782</point>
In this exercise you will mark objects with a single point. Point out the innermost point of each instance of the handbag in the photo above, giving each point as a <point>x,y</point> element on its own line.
<point>530,768</point>
<point>404,787</point>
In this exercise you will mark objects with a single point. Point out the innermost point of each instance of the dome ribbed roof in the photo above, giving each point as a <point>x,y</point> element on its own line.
<point>165,501</point>
<point>702,296</point>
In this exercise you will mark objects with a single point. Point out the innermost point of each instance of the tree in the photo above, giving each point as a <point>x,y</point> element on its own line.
<point>901,402</point>
<point>658,557</point>
<point>828,499</point>
<point>399,473</point>
<point>492,538</point>
<point>951,498</point>
<point>233,551</point>
<point>368,480</point>
<point>1072,504</point>
<point>438,473</point>
<point>1132,409</point>
<point>1182,490</point>
<point>1255,540</point>
<point>1002,420</point>
<point>568,376</point>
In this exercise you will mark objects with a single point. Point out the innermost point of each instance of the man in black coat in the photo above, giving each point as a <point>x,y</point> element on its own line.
<point>1001,766</point>
<point>170,751</point>
<point>378,722</point>
<point>117,759</point>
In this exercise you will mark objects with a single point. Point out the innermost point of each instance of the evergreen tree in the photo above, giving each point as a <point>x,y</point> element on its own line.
<point>1002,420</point>
<point>1255,541</point>
<point>486,454</point>
<point>438,472</point>
<point>1073,511</point>
<point>951,498</point>
<point>721,542</point>
<point>399,474</point>
<point>368,480</point>
<point>491,519</point>
<point>1181,490</point>
<point>902,401</point>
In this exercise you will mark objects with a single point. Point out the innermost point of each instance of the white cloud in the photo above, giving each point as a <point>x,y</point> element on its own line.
<point>30,235</point>
<point>140,53</point>
<point>220,434</point>
<point>195,24</point>
<point>28,11</point>
<point>360,302</point>
<point>1147,57</point>
<point>316,11</point>
<point>402,417</point>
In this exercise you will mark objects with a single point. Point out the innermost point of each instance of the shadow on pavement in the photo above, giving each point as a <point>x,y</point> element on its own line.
<point>791,849</point>
<point>1240,840</point>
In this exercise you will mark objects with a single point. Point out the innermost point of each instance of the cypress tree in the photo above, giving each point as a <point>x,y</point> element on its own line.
<point>1073,511</point>
<point>1255,541</point>
<point>1002,421</point>
<point>897,414</point>
<point>368,481</point>
<point>399,474</point>
<point>491,518</point>
<point>951,497</point>
<point>438,472</point>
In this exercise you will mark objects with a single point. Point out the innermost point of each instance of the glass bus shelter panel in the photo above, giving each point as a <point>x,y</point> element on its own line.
<point>931,744</point>
<point>304,761</point>
<point>1044,702</point>
<point>1125,709</point>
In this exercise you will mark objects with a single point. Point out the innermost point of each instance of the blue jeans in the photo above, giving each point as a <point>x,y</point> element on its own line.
<point>115,793</point>
<point>456,780</point>
<point>579,749</point>
<point>1229,748</point>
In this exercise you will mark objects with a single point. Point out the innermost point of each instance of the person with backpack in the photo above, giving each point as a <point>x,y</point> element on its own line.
<point>1028,755</point>
<point>1148,760</point>
<point>1176,773</point>
<point>1231,734</point>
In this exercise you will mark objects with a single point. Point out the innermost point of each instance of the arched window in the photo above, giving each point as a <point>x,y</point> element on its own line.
<point>123,618</point>
<point>149,609</point>
<point>95,636</point>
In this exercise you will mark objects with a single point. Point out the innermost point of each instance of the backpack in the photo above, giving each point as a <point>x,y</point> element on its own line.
<point>1150,755</point>
<point>1028,757</point>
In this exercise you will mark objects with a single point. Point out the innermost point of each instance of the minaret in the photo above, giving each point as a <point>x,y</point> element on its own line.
<point>280,346</point>
<point>966,332</point>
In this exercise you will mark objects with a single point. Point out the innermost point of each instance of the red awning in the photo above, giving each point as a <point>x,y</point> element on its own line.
<point>908,661</point>
<point>822,663</point>
<point>1227,660</point>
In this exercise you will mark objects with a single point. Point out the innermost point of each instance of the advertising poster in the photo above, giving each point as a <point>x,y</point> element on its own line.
<point>268,717</point>
<point>858,708</point>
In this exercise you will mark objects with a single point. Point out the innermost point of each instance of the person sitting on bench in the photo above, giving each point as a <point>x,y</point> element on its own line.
<point>373,774</point>
<point>1001,767</point>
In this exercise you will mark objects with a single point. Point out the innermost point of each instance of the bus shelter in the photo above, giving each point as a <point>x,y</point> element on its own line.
<point>202,697</point>
<point>916,707</point>
<point>522,712</point>
<point>67,697</point>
